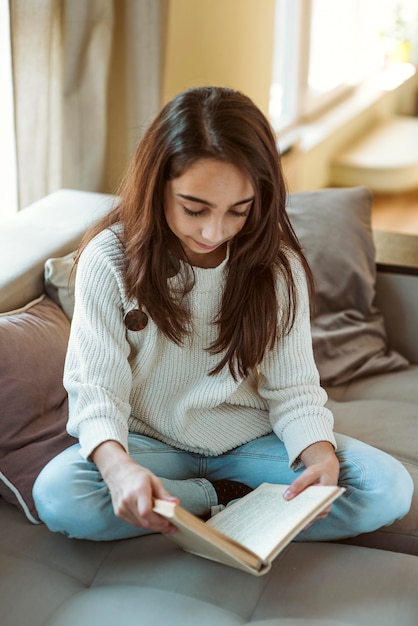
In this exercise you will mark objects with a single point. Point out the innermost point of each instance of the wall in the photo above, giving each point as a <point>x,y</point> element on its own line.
<point>221,42</point>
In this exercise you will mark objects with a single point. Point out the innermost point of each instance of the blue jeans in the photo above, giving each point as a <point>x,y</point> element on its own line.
<point>71,496</point>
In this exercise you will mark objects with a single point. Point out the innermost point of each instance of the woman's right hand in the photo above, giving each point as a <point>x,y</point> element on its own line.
<point>132,487</point>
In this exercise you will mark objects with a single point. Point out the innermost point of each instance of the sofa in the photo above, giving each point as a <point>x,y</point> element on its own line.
<point>365,331</point>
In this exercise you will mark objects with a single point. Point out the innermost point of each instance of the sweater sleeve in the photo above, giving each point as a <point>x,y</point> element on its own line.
<point>97,374</point>
<point>289,380</point>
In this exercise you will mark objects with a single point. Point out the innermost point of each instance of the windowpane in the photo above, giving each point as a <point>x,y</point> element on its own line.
<point>325,47</point>
<point>350,40</point>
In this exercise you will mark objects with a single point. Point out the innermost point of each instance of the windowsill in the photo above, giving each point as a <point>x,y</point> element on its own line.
<point>396,252</point>
<point>312,146</point>
<point>306,136</point>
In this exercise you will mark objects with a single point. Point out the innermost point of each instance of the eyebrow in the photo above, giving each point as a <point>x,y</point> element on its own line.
<point>210,204</point>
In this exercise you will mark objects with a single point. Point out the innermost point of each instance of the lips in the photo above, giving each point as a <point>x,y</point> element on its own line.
<point>205,247</point>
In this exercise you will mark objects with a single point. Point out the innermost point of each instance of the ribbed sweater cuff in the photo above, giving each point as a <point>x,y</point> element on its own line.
<point>297,437</point>
<point>94,432</point>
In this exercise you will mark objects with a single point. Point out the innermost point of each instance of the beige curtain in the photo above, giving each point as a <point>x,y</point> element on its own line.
<point>87,80</point>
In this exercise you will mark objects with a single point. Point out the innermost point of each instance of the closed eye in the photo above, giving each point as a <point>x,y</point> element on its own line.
<point>192,213</point>
<point>239,213</point>
<point>198,213</point>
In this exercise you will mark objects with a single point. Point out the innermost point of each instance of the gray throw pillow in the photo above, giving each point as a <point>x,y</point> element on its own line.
<point>349,337</point>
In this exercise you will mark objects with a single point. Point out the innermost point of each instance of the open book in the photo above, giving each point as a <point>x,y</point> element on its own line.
<point>249,533</point>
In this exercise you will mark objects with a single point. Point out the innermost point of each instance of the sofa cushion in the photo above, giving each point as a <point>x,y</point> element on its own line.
<point>348,331</point>
<point>50,227</point>
<point>46,578</point>
<point>33,401</point>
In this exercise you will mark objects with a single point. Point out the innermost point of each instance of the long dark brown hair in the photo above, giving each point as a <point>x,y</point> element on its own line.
<point>220,123</point>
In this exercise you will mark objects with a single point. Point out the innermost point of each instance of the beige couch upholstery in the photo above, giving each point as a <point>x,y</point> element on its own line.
<point>47,579</point>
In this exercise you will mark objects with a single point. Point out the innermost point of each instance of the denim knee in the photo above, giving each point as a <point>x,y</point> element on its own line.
<point>375,480</point>
<point>398,490</point>
<point>382,492</point>
<point>69,498</point>
<point>52,498</point>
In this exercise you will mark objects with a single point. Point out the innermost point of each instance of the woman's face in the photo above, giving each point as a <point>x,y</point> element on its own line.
<point>206,207</point>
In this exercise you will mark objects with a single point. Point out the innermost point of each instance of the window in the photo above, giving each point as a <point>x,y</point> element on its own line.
<point>324,48</point>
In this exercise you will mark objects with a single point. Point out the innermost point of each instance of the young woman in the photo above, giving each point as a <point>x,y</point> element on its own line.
<point>190,370</point>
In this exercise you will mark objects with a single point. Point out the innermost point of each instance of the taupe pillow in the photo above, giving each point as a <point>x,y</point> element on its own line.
<point>349,337</point>
<point>33,401</point>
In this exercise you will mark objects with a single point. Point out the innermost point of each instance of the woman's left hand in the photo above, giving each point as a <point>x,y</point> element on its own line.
<point>322,468</point>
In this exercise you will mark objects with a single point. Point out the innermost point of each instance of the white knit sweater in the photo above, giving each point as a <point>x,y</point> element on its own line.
<point>121,381</point>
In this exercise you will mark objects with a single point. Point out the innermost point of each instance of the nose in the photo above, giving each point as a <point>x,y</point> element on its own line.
<point>212,230</point>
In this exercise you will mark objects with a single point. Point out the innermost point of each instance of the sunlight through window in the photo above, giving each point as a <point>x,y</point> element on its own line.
<point>324,48</point>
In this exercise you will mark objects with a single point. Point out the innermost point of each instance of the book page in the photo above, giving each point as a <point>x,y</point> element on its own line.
<point>197,537</point>
<point>252,531</point>
<point>264,522</point>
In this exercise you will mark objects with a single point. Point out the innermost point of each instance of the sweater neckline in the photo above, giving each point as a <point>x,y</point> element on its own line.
<point>204,278</point>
